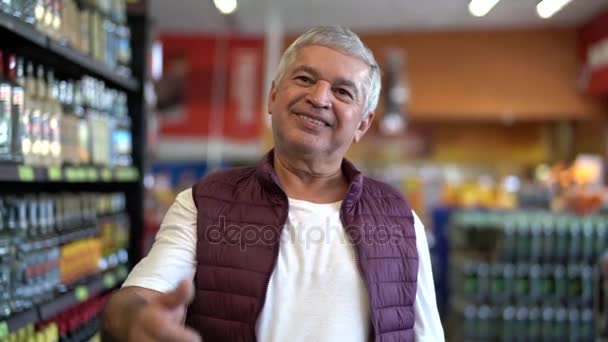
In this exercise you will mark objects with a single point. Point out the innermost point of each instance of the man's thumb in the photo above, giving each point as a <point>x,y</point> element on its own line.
<point>182,295</point>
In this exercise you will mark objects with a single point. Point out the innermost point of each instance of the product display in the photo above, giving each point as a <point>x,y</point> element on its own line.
<point>48,241</point>
<point>55,122</point>
<point>525,275</point>
<point>29,333</point>
<point>6,120</point>
<point>79,323</point>
<point>69,93</point>
<point>95,27</point>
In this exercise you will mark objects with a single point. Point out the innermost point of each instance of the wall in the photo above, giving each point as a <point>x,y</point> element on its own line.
<point>459,142</point>
<point>482,97</point>
<point>523,74</point>
<point>480,143</point>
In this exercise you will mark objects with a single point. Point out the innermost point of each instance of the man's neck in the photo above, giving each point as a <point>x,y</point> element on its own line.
<point>314,181</point>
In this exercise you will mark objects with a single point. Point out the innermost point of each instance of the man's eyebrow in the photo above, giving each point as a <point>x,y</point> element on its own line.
<point>307,69</point>
<point>340,81</point>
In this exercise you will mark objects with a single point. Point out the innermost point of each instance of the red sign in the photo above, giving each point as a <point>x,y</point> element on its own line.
<point>218,85</point>
<point>594,53</point>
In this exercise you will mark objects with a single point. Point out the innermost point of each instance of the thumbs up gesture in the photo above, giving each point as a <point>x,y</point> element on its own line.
<point>161,318</point>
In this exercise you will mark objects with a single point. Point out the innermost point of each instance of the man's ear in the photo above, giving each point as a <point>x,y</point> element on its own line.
<point>272,95</point>
<point>364,125</point>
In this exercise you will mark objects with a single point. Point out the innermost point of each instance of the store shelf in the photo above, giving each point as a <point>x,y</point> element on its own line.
<point>69,174</point>
<point>22,29</point>
<point>29,33</point>
<point>70,63</point>
<point>18,321</point>
<point>94,286</point>
<point>78,235</point>
<point>92,65</point>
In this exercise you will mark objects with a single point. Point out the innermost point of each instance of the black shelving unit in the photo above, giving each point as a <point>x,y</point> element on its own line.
<point>139,33</point>
<point>92,287</point>
<point>25,36</point>
<point>79,293</point>
<point>69,174</point>
<point>23,39</point>
<point>91,65</point>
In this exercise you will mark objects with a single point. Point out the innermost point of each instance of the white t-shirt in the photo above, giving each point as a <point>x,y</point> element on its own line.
<point>315,293</point>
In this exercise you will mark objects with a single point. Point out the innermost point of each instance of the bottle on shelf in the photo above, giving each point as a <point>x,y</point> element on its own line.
<point>6,6</point>
<point>68,124</point>
<point>55,115</point>
<point>70,28</point>
<point>15,9</point>
<point>110,43</point>
<point>121,133</point>
<point>30,117</point>
<point>6,122</point>
<point>45,131</point>
<point>123,38</point>
<point>26,10</point>
<point>95,34</point>
<point>85,31</point>
<point>39,14</point>
<point>84,139</point>
<point>56,22</point>
<point>49,17</point>
<point>37,103</point>
<point>17,79</point>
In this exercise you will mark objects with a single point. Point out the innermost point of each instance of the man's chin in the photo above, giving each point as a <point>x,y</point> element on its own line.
<point>303,147</point>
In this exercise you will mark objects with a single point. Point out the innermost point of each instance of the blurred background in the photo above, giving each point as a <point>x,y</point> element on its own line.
<point>492,121</point>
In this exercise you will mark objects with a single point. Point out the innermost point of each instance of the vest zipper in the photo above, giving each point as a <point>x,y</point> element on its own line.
<point>263,299</point>
<point>373,330</point>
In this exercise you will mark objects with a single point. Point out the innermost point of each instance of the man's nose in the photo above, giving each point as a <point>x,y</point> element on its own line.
<point>320,95</point>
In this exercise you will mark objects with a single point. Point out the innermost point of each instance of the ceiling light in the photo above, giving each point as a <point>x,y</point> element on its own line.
<point>479,8</point>
<point>225,6</point>
<point>547,8</point>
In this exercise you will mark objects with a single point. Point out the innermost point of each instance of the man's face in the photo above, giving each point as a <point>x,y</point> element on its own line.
<point>317,108</point>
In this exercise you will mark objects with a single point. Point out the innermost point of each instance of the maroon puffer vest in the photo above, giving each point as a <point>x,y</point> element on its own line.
<point>241,213</point>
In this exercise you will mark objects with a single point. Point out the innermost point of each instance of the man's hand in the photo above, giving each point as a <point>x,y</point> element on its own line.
<point>161,318</point>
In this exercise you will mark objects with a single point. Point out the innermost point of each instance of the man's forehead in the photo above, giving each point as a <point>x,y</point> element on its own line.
<point>313,52</point>
<point>330,61</point>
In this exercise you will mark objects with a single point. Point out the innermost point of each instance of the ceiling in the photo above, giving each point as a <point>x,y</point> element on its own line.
<point>361,15</point>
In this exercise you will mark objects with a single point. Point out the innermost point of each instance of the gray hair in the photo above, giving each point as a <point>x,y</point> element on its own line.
<point>345,41</point>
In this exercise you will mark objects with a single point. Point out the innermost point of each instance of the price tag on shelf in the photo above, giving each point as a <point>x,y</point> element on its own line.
<point>82,174</point>
<point>82,293</point>
<point>3,330</point>
<point>106,174</point>
<point>70,174</point>
<point>54,173</point>
<point>127,174</point>
<point>26,173</point>
<point>92,175</point>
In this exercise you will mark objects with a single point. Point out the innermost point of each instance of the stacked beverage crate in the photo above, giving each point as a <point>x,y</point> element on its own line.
<point>524,275</point>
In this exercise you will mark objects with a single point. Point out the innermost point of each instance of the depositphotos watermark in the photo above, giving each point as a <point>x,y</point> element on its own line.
<point>308,235</point>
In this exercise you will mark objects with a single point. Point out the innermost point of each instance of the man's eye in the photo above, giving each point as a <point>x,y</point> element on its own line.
<point>304,79</point>
<point>344,92</point>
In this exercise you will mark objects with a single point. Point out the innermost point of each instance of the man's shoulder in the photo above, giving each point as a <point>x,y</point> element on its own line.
<point>388,195</point>
<point>379,187</point>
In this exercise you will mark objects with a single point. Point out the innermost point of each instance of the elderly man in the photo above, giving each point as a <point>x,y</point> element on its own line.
<point>300,247</point>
